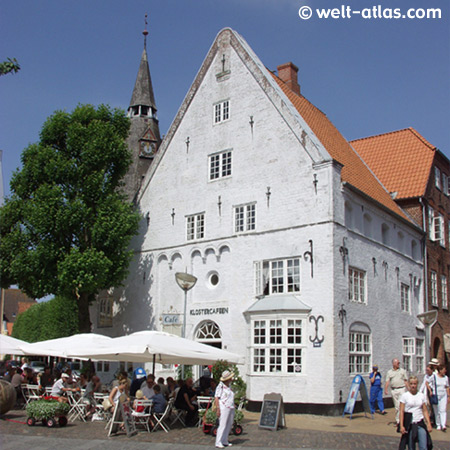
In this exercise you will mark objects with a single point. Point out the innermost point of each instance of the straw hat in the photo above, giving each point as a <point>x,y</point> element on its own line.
<point>434,362</point>
<point>226,375</point>
<point>139,394</point>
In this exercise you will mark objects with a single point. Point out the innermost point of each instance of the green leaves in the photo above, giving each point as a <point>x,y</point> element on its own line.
<point>66,227</point>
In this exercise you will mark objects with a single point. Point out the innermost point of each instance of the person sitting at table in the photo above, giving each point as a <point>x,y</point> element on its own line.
<point>60,387</point>
<point>136,406</point>
<point>94,386</point>
<point>147,387</point>
<point>159,401</point>
<point>45,379</point>
<point>164,388</point>
<point>29,377</point>
<point>186,396</point>
<point>118,392</point>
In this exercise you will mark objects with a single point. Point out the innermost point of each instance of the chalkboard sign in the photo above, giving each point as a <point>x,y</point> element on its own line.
<point>272,412</point>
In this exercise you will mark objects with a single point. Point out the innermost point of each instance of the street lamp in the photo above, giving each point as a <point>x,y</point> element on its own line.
<point>186,282</point>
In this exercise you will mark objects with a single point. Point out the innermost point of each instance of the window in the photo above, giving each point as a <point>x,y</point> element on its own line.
<point>437,178</point>
<point>359,352</point>
<point>431,222</point>
<point>439,229</point>
<point>448,186</point>
<point>245,218</point>
<point>445,183</point>
<point>105,312</point>
<point>277,346</point>
<point>408,353</point>
<point>195,225</point>
<point>357,285</point>
<point>433,287</point>
<point>220,165</point>
<point>221,111</point>
<point>278,276</point>
<point>404,295</point>
<point>444,298</point>
<point>385,234</point>
<point>420,355</point>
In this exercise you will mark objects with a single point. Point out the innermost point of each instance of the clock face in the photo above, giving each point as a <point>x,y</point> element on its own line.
<point>148,149</point>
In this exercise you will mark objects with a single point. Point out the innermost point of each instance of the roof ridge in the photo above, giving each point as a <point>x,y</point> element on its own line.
<point>421,138</point>
<point>381,134</point>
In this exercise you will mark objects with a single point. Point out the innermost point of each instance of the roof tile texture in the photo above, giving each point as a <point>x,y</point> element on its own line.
<point>402,160</point>
<point>354,171</point>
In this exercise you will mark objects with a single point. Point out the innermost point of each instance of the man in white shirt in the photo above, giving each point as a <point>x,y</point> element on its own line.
<point>397,380</point>
<point>147,387</point>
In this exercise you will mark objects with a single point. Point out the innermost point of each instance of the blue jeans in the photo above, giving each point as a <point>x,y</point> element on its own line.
<point>422,436</point>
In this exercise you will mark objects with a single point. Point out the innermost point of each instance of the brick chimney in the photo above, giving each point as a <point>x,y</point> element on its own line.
<point>288,73</point>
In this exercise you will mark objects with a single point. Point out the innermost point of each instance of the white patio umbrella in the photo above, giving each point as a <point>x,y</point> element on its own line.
<point>11,346</point>
<point>66,345</point>
<point>167,348</point>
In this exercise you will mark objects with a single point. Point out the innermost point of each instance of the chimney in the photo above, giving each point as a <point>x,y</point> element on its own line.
<point>288,73</point>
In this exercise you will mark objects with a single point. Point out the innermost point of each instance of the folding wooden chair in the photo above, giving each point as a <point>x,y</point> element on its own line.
<point>160,418</point>
<point>143,417</point>
<point>203,403</point>
<point>179,416</point>
<point>77,407</point>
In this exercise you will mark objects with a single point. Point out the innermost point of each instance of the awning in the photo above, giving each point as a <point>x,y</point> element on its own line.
<point>279,303</point>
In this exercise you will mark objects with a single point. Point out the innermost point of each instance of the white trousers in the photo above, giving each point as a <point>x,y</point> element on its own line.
<point>225,423</point>
<point>440,411</point>
<point>396,394</point>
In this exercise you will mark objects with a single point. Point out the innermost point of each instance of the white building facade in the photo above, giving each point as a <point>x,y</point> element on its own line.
<point>310,277</point>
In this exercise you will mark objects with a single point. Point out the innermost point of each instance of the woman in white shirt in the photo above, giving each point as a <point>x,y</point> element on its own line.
<point>414,418</point>
<point>224,401</point>
<point>443,393</point>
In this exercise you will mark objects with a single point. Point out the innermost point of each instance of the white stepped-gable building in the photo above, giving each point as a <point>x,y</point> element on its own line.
<point>305,264</point>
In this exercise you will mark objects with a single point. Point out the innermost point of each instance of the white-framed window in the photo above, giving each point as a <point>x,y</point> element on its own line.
<point>439,229</point>
<point>220,165</point>
<point>245,218</point>
<point>404,297</point>
<point>433,288</point>
<point>408,353</point>
<point>195,226</point>
<point>357,285</point>
<point>420,355</point>
<point>444,292</point>
<point>277,345</point>
<point>448,185</point>
<point>222,111</point>
<point>277,276</point>
<point>437,178</point>
<point>360,353</point>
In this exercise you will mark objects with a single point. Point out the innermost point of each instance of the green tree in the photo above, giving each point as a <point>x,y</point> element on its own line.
<point>53,319</point>
<point>10,65</point>
<point>66,228</point>
<point>238,385</point>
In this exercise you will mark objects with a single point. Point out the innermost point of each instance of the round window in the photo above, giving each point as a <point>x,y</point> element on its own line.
<point>213,279</point>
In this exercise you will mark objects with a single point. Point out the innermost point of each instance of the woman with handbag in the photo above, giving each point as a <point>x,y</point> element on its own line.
<point>442,392</point>
<point>415,422</point>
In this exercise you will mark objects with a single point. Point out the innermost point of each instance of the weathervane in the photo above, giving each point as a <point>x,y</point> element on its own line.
<point>145,32</point>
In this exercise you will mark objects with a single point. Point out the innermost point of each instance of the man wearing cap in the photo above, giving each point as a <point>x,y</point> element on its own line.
<point>60,387</point>
<point>224,401</point>
<point>376,391</point>
<point>139,375</point>
<point>398,381</point>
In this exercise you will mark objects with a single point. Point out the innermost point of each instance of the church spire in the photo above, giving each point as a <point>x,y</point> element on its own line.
<point>143,99</point>
<point>144,138</point>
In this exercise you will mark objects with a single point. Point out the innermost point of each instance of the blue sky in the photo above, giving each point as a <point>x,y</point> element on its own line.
<point>369,76</point>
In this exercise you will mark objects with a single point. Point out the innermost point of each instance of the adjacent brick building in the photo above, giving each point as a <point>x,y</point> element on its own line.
<point>417,175</point>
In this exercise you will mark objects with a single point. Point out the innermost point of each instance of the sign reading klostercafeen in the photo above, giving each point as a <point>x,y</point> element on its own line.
<point>208,311</point>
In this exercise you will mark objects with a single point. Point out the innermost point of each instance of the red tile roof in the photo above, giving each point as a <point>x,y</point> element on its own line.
<point>354,171</point>
<point>402,160</point>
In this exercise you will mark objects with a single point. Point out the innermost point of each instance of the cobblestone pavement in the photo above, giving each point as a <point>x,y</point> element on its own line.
<point>92,435</point>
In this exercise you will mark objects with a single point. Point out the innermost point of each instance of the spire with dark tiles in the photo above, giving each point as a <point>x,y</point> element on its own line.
<point>144,137</point>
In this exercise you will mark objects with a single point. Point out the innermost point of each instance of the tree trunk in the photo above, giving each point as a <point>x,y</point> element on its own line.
<point>84,320</point>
